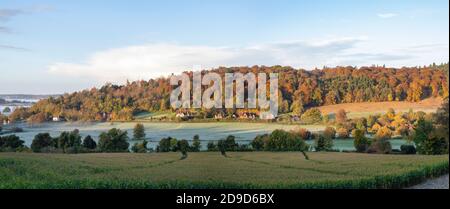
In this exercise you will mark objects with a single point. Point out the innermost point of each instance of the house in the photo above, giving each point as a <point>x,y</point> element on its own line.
<point>57,119</point>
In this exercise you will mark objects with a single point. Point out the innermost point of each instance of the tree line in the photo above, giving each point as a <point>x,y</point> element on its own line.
<point>299,90</point>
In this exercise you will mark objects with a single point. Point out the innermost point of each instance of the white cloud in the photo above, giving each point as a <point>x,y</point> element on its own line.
<point>162,59</point>
<point>387,15</point>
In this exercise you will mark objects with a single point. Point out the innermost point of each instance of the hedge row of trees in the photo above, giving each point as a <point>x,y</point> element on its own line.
<point>299,90</point>
<point>430,135</point>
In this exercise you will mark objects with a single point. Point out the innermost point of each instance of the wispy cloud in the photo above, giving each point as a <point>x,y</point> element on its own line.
<point>9,47</point>
<point>387,15</point>
<point>161,59</point>
<point>6,14</point>
<point>5,29</point>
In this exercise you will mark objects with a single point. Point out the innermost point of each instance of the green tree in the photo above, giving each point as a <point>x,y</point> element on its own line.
<point>139,132</point>
<point>41,140</point>
<point>196,144</point>
<point>164,145</point>
<point>114,140</point>
<point>69,140</point>
<point>259,141</point>
<point>140,147</point>
<point>361,142</point>
<point>89,143</point>
<point>183,146</point>
<point>323,143</point>
<point>427,140</point>
<point>11,142</point>
<point>222,146</point>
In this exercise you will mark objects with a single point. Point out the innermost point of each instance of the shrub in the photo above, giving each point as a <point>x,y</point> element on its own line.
<point>380,146</point>
<point>303,133</point>
<point>69,140</point>
<point>173,144</point>
<point>89,143</point>
<point>183,146</point>
<point>329,132</point>
<point>196,144</point>
<point>140,147</point>
<point>230,143</point>
<point>323,143</point>
<point>11,143</point>
<point>408,149</point>
<point>341,116</point>
<point>427,140</point>
<point>41,141</point>
<point>139,132</point>
<point>383,133</point>
<point>312,116</point>
<point>221,145</point>
<point>114,140</point>
<point>211,146</point>
<point>164,145</point>
<point>342,133</point>
<point>360,142</point>
<point>259,141</point>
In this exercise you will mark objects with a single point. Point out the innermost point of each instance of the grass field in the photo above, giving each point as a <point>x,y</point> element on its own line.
<point>364,109</point>
<point>211,170</point>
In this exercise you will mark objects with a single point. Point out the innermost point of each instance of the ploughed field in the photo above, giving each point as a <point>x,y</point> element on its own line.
<point>212,170</point>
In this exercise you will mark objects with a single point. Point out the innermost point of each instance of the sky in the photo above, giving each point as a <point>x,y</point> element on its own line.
<point>58,46</point>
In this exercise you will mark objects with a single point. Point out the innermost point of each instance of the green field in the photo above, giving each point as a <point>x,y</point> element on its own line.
<point>211,170</point>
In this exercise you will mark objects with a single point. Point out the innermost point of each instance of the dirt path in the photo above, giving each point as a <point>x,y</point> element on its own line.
<point>437,183</point>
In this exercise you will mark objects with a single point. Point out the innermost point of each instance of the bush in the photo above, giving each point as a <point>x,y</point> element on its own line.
<point>196,144</point>
<point>302,132</point>
<point>383,133</point>
<point>41,141</point>
<point>114,140</point>
<point>259,141</point>
<point>211,146</point>
<point>329,133</point>
<point>380,146</point>
<point>360,142</point>
<point>323,143</point>
<point>69,140</point>
<point>280,140</point>
<point>140,147</point>
<point>183,146</point>
<point>312,116</point>
<point>11,143</point>
<point>408,149</point>
<point>164,145</point>
<point>139,132</point>
<point>89,143</point>
<point>221,145</point>
<point>428,140</point>
<point>342,133</point>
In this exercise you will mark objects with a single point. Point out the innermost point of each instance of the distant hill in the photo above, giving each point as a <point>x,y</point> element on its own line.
<point>298,89</point>
<point>24,97</point>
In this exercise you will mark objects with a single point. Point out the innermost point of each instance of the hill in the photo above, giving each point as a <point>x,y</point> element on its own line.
<point>298,89</point>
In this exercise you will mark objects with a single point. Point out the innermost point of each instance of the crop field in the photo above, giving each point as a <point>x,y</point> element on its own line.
<point>364,109</point>
<point>211,170</point>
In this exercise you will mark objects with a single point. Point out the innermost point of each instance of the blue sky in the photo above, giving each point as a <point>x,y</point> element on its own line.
<point>61,46</point>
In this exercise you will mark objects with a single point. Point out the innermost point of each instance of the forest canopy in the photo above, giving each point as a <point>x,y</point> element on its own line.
<point>299,90</point>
